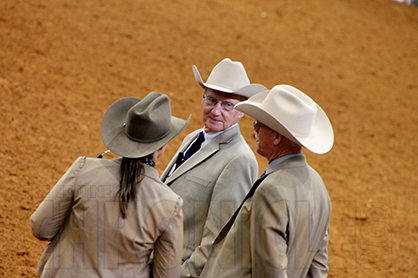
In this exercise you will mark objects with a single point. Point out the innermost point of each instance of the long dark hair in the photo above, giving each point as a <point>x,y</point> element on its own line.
<point>132,173</point>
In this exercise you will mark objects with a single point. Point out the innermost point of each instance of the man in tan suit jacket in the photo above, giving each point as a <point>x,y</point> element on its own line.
<point>214,180</point>
<point>280,230</point>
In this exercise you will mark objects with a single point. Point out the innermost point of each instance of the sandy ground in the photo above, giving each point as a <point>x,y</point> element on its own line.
<point>62,63</point>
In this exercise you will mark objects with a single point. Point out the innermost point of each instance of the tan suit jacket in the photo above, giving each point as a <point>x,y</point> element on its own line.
<point>89,237</point>
<point>279,231</point>
<point>213,182</point>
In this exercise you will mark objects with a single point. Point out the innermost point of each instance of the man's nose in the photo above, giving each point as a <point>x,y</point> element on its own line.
<point>217,108</point>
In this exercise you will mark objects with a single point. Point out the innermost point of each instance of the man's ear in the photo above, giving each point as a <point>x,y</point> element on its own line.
<point>277,139</point>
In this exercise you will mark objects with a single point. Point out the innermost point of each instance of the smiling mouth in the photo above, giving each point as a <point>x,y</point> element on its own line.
<point>215,120</point>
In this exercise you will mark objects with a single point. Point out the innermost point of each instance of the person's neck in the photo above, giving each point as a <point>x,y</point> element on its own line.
<point>282,153</point>
<point>217,132</point>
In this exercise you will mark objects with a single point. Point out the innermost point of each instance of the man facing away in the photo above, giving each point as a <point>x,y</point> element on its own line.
<point>214,167</point>
<point>281,228</point>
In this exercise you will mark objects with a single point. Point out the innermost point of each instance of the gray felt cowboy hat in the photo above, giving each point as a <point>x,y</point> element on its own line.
<point>229,77</point>
<point>293,114</point>
<point>136,128</point>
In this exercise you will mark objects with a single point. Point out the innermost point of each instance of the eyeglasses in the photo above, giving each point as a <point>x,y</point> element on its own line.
<point>226,105</point>
<point>257,125</point>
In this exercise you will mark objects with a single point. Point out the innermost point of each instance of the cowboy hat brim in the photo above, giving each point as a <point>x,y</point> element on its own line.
<point>321,138</point>
<point>115,139</point>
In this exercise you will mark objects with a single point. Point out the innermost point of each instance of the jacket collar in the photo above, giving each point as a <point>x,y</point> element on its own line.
<point>279,160</point>
<point>292,162</point>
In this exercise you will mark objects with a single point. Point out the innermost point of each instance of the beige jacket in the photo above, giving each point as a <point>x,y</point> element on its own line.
<point>89,238</point>
<point>279,231</point>
<point>213,183</point>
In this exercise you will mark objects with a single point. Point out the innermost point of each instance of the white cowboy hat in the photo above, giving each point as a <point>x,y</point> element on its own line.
<point>293,114</point>
<point>229,77</point>
<point>136,128</point>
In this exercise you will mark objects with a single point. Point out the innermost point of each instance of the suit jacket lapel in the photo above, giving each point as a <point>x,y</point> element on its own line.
<point>186,142</point>
<point>205,152</point>
<point>198,157</point>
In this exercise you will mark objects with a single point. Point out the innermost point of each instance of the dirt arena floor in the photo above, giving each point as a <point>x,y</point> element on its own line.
<point>62,63</point>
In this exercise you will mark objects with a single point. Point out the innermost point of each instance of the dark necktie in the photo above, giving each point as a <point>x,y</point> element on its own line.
<point>193,148</point>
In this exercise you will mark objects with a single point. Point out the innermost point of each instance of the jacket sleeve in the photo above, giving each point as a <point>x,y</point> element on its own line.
<point>319,266</point>
<point>51,213</point>
<point>229,191</point>
<point>168,248</point>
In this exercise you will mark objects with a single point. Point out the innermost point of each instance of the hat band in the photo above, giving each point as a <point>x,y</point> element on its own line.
<point>145,140</point>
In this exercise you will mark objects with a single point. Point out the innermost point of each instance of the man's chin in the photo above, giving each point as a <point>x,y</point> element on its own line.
<point>213,128</point>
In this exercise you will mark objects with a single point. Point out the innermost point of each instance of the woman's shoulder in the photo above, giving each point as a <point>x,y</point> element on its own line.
<point>88,164</point>
<point>155,186</point>
<point>95,160</point>
<point>158,197</point>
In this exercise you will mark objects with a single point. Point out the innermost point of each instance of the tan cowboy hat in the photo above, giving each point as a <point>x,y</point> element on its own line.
<point>229,77</point>
<point>136,128</point>
<point>293,114</point>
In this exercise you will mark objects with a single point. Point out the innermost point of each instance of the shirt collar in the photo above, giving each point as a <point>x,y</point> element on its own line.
<point>277,161</point>
<point>211,135</point>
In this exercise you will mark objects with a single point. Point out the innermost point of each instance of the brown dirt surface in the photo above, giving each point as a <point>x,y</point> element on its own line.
<point>62,63</point>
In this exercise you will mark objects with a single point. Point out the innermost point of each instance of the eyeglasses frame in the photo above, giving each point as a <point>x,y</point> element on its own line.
<point>212,102</point>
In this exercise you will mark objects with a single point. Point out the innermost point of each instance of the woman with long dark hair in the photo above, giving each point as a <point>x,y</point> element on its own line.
<point>114,217</point>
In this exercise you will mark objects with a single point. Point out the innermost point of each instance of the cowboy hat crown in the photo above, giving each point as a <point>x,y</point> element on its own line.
<point>136,128</point>
<point>293,114</point>
<point>229,77</point>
